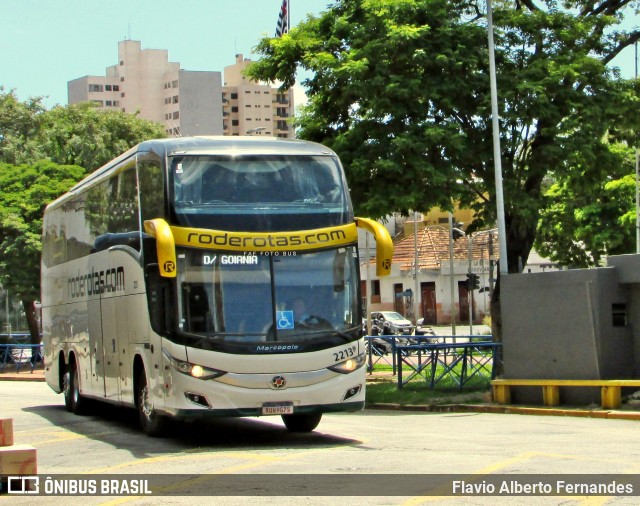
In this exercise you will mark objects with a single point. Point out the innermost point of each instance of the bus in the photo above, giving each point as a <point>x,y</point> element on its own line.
<point>208,276</point>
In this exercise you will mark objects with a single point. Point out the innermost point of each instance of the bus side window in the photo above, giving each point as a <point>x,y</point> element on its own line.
<point>151,190</point>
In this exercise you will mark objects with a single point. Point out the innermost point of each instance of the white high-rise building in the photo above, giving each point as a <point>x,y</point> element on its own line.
<point>187,102</point>
<point>145,82</point>
<point>252,108</point>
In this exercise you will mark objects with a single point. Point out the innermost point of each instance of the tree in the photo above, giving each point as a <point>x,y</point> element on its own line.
<point>25,190</point>
<point>77,134</point>
<point>578,228</point>
<point>42,154</point>
<point>400,89</point>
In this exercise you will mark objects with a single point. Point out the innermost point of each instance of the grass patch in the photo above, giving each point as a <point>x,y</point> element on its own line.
<point>386,392</point>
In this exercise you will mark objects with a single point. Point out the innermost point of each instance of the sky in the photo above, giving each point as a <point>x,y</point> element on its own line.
<point>46,43</point>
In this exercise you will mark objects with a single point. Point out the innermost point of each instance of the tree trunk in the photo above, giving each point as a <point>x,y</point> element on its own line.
<point>29,307</point>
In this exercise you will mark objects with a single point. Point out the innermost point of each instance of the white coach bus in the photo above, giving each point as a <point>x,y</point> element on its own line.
<point>208,276</point>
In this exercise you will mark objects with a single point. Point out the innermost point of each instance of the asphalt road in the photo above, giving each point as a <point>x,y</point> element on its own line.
<point>345,447</point>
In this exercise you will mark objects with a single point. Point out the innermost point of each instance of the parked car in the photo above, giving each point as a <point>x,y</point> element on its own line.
<point>396,322</point>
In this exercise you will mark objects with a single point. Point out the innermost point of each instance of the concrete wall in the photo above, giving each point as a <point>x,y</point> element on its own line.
<point>561,325</point>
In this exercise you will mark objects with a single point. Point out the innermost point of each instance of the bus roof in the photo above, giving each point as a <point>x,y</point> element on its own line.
<point>209,145</point>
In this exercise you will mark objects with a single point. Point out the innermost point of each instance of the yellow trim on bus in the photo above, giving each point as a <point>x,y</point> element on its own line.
<point>168,237</point>
<point>384,244</point>
<point>266,241</point>
<point>165,246</point>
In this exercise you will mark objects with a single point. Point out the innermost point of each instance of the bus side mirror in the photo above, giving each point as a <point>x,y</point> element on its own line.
<point>384,244</point>
<point>165,245</point>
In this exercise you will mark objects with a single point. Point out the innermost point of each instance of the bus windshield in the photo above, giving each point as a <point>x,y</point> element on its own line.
<point>256,193</point>
<point>230,297</point>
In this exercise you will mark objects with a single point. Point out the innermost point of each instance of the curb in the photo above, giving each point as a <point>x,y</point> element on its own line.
<point>26,376</point>
<point>508,410</point>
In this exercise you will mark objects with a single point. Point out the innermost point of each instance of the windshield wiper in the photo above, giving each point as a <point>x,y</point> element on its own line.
<point>344,335</point>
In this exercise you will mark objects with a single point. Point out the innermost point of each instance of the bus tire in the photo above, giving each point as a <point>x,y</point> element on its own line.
<point>152,423</point>
<point>301,423</point>
<point>73,400</point>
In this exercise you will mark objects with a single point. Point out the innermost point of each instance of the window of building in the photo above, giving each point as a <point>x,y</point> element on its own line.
<point>107,87</point>
<point>121,62</point>
<point>175,99</point>
<point>99,103</point>
<point>234,108</point>
<point>108,103</point>
<point>235,122</point>
<point>176,115</point>
<point>95,88</point>
<point>116,103</point>
<point>122,79</point>
<point>174,84</point>
<point>116,87</point>
<point>234,96</point>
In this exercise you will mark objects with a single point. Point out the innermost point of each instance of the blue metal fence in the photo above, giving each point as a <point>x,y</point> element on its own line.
<point>17,356</point>
<point>435,359</point>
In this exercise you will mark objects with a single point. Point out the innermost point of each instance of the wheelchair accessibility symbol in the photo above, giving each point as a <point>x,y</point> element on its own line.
<point>285,320</point>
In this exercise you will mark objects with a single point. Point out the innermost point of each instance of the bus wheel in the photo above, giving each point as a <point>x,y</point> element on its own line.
<point>152,423</point>
<point>74,402</point>
<point>301,423</point>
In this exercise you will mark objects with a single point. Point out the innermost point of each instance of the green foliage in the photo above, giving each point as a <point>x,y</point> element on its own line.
<point>583,223</point>
<point>400,89</point>
<point>25,190</point>
<point>78,134</point>
<point>42,154</point>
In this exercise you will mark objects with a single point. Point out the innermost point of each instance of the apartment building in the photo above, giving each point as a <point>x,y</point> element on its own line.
<point>145,81</point>
<point>186,102</point>
<point>251,108</point>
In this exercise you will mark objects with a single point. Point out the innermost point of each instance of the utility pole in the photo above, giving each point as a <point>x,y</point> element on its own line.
<point>470,286</point>
<point>637,174</point>
<point>497,152</point>
<point>416,257</point>
<point>452,278</point>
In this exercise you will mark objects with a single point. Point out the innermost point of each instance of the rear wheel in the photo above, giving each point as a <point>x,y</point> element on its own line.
<point>152,423</point>
<point>301,423</point>
<point>73,400</point>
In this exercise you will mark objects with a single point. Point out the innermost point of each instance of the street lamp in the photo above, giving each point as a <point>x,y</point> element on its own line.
<point>502,236</point>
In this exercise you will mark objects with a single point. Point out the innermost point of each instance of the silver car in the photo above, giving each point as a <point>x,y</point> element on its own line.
<point>398,323</point>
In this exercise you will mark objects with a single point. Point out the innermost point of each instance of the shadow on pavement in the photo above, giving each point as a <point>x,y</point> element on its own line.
<point>119,427</point>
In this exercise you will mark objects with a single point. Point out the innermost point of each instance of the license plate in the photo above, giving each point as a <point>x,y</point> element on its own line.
<point>282,408</point>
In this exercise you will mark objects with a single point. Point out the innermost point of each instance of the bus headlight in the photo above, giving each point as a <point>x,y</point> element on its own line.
<point>349,365</point>
<point>193,370</point>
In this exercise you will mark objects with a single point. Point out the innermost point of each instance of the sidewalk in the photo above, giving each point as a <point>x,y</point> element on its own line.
<point>8,373</point>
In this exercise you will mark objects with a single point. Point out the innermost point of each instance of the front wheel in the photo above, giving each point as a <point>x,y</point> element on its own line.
<point>301,423</point>
<point>152,423</point>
